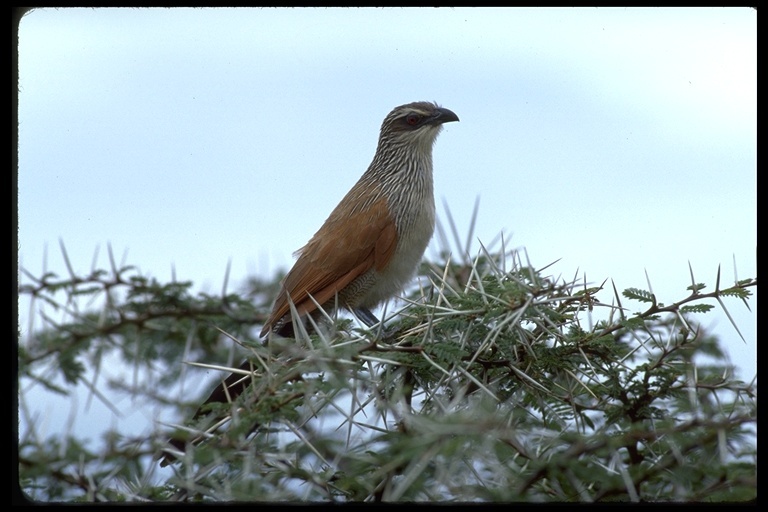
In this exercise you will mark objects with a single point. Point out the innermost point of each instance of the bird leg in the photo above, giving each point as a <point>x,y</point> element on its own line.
<point>365,315</point>
<point>369,319</point>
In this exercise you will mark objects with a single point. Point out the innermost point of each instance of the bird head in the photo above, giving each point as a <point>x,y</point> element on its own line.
<point>416,124</point>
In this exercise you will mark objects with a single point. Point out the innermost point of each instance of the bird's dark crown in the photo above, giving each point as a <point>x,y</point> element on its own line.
<point>413,116</point>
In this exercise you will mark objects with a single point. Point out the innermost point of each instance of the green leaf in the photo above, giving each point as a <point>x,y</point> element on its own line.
<point>697,308</point>
<point>638,294</point>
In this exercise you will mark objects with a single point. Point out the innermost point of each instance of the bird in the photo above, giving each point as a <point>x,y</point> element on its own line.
<point>370,245</point>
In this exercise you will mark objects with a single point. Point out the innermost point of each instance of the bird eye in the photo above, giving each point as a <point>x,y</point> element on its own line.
<point>413,119</point>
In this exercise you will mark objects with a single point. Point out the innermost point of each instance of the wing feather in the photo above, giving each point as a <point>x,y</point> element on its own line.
<point>347,246</point>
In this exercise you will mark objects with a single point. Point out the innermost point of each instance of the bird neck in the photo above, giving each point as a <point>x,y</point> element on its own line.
<point>404,176</point>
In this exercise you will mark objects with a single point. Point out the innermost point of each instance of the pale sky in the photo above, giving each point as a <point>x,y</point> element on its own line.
<point>617,141</point>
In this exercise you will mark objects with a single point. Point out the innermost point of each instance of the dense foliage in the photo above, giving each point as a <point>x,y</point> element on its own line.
<point>492,383</point>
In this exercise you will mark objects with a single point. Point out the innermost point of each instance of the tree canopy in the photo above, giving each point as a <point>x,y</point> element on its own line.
<point>491,381</point>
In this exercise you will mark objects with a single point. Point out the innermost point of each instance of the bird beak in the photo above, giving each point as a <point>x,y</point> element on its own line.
<point>443,115</point>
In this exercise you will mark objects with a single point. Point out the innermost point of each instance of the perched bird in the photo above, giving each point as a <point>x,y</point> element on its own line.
<point>372,242</point>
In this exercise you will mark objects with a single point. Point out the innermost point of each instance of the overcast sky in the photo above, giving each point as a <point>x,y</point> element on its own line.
<point>619,141</point>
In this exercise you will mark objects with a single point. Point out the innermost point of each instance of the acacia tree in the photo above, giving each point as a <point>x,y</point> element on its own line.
<point>491,382</point>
